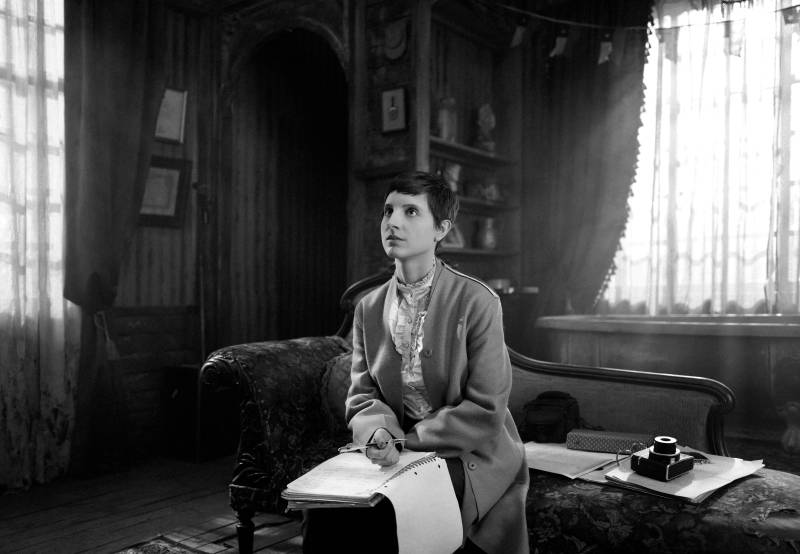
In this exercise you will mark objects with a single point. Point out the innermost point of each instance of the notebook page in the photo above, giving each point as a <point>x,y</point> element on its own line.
<point>349,475</point>
<point>426,508</point>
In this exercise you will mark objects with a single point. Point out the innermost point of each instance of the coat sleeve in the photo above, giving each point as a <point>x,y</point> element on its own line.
<point>479,418</point>
<point>365,408</point>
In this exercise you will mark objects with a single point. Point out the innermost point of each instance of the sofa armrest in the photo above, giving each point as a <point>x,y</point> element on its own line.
<point>282,426</point>
<point>688,408</point>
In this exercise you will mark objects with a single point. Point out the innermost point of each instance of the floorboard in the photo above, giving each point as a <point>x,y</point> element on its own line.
<point>179,500</point>
<point>184,501</point>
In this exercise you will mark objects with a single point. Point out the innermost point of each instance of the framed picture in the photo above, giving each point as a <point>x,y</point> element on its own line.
<point>393,110</point>
<point>165,192</point>
<point>171,116</point>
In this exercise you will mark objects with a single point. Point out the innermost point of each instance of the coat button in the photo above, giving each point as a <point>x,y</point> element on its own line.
<point>427,352</point>
<point>472,465</point>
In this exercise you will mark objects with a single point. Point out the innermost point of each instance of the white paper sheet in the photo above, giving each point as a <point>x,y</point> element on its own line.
<point>347,476</point>
<point>557,458</point>
<point>694,486</point>
<point>427,511</point>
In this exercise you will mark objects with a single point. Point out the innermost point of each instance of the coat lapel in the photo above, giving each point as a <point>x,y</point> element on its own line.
<point>388,363</point>
<point>434,330</point>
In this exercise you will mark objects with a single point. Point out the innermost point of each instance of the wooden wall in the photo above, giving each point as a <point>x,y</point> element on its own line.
<point>287,241</point>
<point>155,322</point>
<point>160,266</point>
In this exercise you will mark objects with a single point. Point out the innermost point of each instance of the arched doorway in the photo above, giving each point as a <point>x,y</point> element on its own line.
<point>288,246</point>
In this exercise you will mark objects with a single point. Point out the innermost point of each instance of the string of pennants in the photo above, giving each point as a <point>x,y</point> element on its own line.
<point>613,37</point>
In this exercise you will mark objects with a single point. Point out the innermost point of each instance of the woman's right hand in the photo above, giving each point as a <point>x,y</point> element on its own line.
<point>385,453</point>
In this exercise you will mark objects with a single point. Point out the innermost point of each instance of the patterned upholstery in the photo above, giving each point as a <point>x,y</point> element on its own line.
<point>283,430</point>
<point>760,513</point>
<point>292,417</point>
<point>333,392</point>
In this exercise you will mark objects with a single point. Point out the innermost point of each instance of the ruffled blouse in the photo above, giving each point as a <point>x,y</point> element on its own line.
<point>406,319</point>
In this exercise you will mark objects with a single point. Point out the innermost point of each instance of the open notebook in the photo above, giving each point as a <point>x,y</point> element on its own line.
<point>418,486</point>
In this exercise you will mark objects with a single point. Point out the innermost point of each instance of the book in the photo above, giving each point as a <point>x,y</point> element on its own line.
<point>695,486</point>
<point>418,486</point>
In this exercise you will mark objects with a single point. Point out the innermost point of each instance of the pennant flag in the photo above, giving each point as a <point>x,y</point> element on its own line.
<point>605,49</point>
<point>791,15</point>
<point>519,32</point>
<point>734,37</point>
<point>669,42</point>
<point>561,44</point>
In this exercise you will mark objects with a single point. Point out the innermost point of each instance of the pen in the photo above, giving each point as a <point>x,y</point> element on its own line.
<point>356,447</point>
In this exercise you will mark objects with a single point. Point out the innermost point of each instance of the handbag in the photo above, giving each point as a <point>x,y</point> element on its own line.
<point>549,417</point>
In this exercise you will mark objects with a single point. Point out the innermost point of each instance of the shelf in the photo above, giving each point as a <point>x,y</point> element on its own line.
<point>466,154</point>
<point>485,205</point>
<point>477,252</point>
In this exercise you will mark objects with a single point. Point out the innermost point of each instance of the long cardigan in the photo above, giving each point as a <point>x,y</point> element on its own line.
<point>467,374</point>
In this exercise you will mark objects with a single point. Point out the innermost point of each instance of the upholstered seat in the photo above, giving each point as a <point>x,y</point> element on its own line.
<point>292,417</point>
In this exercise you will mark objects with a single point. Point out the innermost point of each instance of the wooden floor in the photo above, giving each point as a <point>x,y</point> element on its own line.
<point>184,502</point>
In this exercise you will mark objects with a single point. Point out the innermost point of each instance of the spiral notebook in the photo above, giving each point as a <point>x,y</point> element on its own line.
<point>418,486</point>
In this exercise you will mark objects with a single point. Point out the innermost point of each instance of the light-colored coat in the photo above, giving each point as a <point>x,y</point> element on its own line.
<point>467,374</point>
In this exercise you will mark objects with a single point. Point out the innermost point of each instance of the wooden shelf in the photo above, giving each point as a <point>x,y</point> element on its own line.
<point>477,252</point>
<point>475,204</point>
<point>466,154</point>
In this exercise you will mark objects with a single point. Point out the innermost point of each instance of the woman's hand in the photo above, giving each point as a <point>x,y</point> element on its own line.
<point>384,453</point>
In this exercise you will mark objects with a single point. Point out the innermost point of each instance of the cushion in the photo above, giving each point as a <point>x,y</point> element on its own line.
<point>760,513</point>
<point>335,383</point>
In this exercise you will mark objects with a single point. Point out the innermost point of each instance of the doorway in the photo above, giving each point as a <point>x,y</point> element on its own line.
<point>288,246</point>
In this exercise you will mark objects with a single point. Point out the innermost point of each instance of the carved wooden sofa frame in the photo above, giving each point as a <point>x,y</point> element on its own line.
<point>286,428</point>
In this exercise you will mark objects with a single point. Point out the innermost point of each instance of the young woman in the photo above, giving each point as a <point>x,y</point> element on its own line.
<point>430,366</point>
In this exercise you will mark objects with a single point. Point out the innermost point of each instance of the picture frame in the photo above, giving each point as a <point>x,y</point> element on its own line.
<point>393,110</point>
<point>171,120</point>
<point>165,191</point>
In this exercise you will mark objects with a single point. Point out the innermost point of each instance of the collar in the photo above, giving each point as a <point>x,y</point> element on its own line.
<point>419,285</point>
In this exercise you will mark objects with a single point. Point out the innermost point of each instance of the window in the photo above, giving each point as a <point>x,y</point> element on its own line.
<point>715,207</point>
<point>31,158</point>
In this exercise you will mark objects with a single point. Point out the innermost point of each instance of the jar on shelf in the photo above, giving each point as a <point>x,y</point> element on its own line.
<point>486,234</point>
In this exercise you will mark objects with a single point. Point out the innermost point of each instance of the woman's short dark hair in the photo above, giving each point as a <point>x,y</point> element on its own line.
<point>442,200</point>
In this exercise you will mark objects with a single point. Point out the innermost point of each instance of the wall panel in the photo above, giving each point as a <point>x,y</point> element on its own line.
<point>159,268</point>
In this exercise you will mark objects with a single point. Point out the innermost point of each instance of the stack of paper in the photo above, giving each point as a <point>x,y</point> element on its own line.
<point>598,467</point>
<point>346,480</point>
<point>427,513</point>
<point>557,458</point>
<point>694,486</point>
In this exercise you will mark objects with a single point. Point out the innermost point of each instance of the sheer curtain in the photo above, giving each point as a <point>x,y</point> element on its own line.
<point>713,221</point>
<point>38,335</point>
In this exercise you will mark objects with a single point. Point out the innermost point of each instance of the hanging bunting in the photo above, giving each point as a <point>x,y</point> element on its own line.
<point>605,49</point>
<point>734,37</point>
<point>561,44</point>
<point>791,15</point>
<point>669,42</point>
<point>519,32</point>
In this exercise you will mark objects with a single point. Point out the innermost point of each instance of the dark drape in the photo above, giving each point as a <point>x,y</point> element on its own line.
<point>114,79</point>
<point>113,84</point>
<point>581,146</point>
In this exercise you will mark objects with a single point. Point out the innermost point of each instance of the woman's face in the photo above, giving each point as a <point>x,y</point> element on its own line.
<point>408,230</point>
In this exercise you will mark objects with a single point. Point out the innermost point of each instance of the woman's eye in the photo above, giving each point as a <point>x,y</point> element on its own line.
<point>387,211</point>
<point>412,211</point>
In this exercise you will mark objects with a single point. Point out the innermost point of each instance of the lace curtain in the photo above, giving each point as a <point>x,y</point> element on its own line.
<point>38,330</point>
<point>713,224</point>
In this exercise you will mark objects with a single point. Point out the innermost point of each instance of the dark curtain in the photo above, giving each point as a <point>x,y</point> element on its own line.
<point>114,79</point>
<point>581,147</point>
<point>113,84</point>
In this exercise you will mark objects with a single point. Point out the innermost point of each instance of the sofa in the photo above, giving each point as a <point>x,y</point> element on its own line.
<point>292,417</point>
